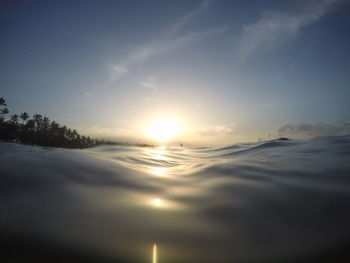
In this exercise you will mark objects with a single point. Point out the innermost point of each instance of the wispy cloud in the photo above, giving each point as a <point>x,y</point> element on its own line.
<point>151,85</point>
<point>184,20</point>
<point>275,26</point>
<point>306,131</point>
<point>118,71</point>
<point>140,54</point>
<point>164,44</point>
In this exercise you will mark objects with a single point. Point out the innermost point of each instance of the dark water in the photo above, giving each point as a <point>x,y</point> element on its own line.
<point>275,201</point>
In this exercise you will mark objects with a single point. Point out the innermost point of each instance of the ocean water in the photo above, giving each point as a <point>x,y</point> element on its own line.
<point>274,201</point>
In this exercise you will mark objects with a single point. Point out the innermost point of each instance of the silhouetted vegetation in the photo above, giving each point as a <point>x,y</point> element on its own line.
<point>39,130</point>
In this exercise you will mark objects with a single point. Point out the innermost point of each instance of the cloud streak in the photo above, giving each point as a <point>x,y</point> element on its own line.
<point>165,44</point>
<point>151,85</point>
<point>189,16</point>
<point>274,27</point>
<point>139,55</point>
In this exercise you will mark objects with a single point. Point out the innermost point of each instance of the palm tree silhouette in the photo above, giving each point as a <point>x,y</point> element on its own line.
<point>40,130</point>
<point>3,113</point>
<point>14,119</point>
<point>24,116</point>
<point>3,109</point>
<point>2,101</point>
<point>45,123</point>
<point>38,120</point>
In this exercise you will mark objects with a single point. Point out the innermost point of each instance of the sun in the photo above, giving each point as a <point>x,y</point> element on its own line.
<point>157,202</point>
<point>163,130</point>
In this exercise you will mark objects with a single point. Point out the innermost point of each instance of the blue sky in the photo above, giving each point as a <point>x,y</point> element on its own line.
<point>227,71</point>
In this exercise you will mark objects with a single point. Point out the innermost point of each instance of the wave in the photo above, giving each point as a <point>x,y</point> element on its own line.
<point>273,201</point>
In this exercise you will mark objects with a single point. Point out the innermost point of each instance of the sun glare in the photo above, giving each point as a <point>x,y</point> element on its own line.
<point>157,202</point>
<point>163,130</point>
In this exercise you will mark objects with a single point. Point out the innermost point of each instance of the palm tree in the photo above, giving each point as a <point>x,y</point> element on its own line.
<point>75,134</point>
<point>45,130</point>
<point>30,124</point>
<point>2,101</point>
<point>39,130</point>
<point>46,123</point>
<point>54,126</point>
<point>24,116</point>
<point>3,113</point>
<point>3,109</point>
<point>38,120</point>
<point>53,133</point>
<point>14,119</point>
<point>63,130</point>
<point>29,132</point>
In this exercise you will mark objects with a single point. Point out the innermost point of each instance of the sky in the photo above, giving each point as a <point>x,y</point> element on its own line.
<point>226,71</point>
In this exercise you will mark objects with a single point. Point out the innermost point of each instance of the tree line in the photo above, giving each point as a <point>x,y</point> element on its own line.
<point>39,130</point>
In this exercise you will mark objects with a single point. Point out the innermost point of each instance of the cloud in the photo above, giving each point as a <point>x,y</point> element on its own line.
<point>274,27</point>
<point>140,54</point>
<point>218,130</point>
<point>118,71</point>
<point>164,44</point>
<point>151,85</point>
<point>187,17</point>
<point>306,131</point>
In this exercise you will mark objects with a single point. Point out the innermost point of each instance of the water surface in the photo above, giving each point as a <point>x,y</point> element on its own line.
<point>274,201</point>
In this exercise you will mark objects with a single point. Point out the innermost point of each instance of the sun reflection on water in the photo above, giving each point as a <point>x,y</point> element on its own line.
<point>158,154</point>
<point>158,171</point>
<point>154,257</point>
